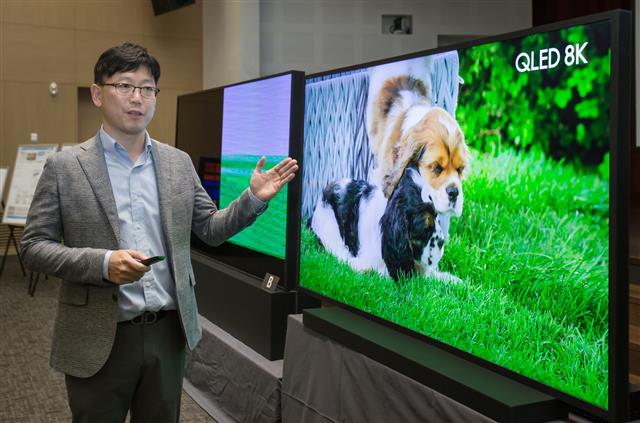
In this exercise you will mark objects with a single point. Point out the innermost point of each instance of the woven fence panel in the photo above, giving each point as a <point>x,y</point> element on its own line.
<point>336,144</point>
<point>445,81</point>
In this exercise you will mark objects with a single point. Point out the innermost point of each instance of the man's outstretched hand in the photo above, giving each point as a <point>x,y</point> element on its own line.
<point>265,185</point>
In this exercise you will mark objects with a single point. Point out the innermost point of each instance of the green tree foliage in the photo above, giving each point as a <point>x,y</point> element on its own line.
<point>562,112</point>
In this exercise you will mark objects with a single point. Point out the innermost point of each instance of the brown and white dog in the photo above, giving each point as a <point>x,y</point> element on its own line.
<point>402,124</point>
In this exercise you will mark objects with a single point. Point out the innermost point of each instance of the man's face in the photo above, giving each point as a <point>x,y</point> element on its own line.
<point>125,115</point>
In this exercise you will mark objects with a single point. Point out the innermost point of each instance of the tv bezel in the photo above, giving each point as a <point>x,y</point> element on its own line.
<point>296,134</point>
<point>619,147</point>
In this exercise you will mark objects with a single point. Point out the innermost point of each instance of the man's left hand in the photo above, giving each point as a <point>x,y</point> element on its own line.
<point>265,185</point>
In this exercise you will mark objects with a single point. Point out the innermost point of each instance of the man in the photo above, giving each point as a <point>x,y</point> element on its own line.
<point>122,327</point>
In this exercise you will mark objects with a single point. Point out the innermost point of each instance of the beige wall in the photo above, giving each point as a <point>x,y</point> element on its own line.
<point>60,40</point>
<point>319,35</point>
<point>231,41</point>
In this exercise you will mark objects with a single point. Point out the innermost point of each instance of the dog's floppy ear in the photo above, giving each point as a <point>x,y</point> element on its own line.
<point>407,152</point>
<point>463,151</point>
<point>396,246</point>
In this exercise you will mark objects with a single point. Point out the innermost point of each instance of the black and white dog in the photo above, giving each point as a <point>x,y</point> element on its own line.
<point>397,236</point>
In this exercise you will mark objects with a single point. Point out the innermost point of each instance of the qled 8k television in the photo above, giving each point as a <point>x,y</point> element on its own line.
<point>226,131</point>
<point>476,196</point>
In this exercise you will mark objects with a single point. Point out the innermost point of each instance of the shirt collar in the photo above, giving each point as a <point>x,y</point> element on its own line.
<point>111,146</point>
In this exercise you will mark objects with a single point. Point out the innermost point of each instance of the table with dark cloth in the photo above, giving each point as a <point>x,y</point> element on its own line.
<point>324,381</point>
<point>231,381</point>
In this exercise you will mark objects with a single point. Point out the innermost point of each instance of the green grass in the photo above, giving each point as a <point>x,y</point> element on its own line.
<point>532,251</point>
<point>268,233</point>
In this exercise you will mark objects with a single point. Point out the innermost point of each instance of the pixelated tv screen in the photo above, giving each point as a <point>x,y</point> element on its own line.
<point>225,131</point>
<point>255,123</point>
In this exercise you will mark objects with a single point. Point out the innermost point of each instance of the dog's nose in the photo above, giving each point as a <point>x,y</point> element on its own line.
<point>452,192</point>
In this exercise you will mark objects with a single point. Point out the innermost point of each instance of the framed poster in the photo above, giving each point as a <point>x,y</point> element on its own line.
<point>29,163</point>
<point>4,171</point>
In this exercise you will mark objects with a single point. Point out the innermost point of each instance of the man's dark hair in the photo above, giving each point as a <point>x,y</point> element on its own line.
<point>124,58</point>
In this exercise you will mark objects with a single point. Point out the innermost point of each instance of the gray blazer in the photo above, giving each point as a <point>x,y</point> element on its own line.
<point>74,204</point>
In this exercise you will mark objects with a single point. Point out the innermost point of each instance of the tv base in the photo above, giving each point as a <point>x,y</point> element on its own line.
<point>235,302</point>
<point>496,396</point>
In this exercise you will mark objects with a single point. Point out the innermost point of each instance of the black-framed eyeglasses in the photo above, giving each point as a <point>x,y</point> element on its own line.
<point>123,88</point>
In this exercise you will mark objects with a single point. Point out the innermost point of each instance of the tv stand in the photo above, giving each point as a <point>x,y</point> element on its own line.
<point>491,394</point>
<point>235,302</point>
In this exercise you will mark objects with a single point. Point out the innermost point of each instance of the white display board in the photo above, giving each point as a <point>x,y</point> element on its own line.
<point>4,172</point>
<point>30,161</point>
<point>67,146</point>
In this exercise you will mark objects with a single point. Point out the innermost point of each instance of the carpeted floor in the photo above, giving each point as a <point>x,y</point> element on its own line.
<point>30,391</point>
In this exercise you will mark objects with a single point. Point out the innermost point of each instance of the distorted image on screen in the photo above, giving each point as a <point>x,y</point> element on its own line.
<point>255,123</point>
<point>225,131</point>
<point>464,195</point>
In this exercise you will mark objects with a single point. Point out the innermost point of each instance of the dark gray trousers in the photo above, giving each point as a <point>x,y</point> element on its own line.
<point>143,375</point>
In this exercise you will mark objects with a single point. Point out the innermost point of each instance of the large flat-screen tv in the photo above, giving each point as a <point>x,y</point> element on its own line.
<point>476,196</point>
<point>226,130</point>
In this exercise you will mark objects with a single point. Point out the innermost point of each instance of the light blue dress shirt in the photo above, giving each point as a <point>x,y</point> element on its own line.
<point>136,195</point>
